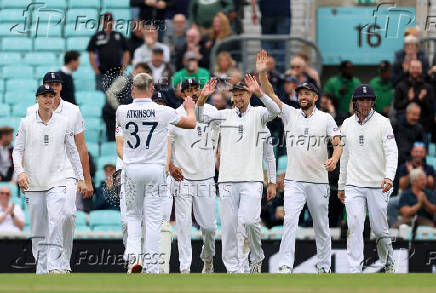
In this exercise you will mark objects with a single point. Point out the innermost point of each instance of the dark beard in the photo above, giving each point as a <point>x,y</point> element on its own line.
<point>309,104</point>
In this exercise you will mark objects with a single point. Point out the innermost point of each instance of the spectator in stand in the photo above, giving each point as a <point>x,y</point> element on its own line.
<point>342,86</point>
<point>275,20</point>
<point>219,31</point>
<point>152,12</point>
<point>417,161</point>
<point>298,67</point>
<point>383,88</point>
<point>143,53</point>
<point>235,77</point>
<point>329,104</point>
<point>310,71</point>
<point>108,53</point>
<point>403,57</point>
<point>237,16</point>
<point>407,130</point>
<point>11,216</point>
<point>71,63</point>
<point>162,72</point>
<point>119,93</point>
<point>100,200</point>
<point>415,89</point>
<point>220,101</point>
<point>177,38</point>
<point>275,77</point>
<point>6,148</point>
<point>202,13</point>
<point>289,96</point>
<point>137,36</point>
<point>194,43</point>
<point>418,201</point>
<point>191,70</point>
<point>224,65</point>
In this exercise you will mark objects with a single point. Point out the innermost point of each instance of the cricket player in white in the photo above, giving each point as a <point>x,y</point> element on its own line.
<point>119,144</point>
<point>307,131</point>
<point>243,130</point>
<point>72,113</point>
<point>194,155</point>
<point>145,131</point>
<point>368,166</point>
<point>45,139</point>
<point>271,170</point>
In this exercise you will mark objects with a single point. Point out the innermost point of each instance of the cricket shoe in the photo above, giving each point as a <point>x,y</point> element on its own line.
<point>207,267</point>
<point>323,271</point>
<point>389,268</point>
<point>284,269</point>
<point>256,268</point>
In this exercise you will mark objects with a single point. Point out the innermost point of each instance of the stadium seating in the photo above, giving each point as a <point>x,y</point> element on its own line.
<point>110,4</point>
<point>49,44</point>
<point>19,98</point>
<point>60,4</point>
<point>84,4</point>
<point>100,177</point>
<point>85,83</point>
<point>19,4</point>
<point>21,84</point>
<point>108,148</point>
<point>73,30</point>
<point>77,43</point>
<point>16,44</point>
<point>81,16</point>
<point>106,159</point>
<point>38,58</point>
<point>109,228</point>
<point>12,122</point>
<point>101,218</point>
<point>121,14</point>
<point>11,15</point>
<point>47,30</point>
<point>431,161</point>
<point>20,109</point>
<point>4,110</point>
<point>95,98</point>
<point>81,219</point>
<point>84,71</point>
<point>93,149</point>
<point>7,58</point>
<point>14,71</point>
<point>40,71</point>
<point>90,111</point>
<point>92,135</point>
<point>5,30</point>
<point>432,150</point>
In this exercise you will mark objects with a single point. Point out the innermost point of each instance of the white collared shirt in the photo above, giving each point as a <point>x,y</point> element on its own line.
<point>46,147</point>
<point>75,120</point>
<point>144,126</point>
<point>306,143</point>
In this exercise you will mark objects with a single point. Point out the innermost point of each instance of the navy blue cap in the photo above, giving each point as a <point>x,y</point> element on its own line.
<point>42,89</point>
<point>307,86</point>
<point>187,83</point>
<point>159,96</point>
<point>239,86</point>
<point>52,77</point>
<point>363,91</point>
<point>291,78</point>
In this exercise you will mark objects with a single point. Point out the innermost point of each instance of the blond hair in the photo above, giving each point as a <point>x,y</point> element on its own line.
<point>225,55</point>
<point>143,82</point>
<point>225,30</point>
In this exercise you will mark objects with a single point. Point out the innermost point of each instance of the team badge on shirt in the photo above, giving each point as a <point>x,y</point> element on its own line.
<point>361,139</point>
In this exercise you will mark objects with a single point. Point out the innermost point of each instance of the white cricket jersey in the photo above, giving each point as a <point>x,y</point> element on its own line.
<point>369,153</point>
<point>46,147</point>
<point>144,125</point>
<point>306,143</point>
<point>193,148</point>
<point>119,164</point>
<point>72,113</point>
<point>241,144</point>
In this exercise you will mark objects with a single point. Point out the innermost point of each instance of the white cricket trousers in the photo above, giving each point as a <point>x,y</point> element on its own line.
<point>147,182</point>
<point>243,249</point>
<point>46,222</point>
<point>123,209</point>
<point>70,221</point>
<point>357,200</point>
<point>200,196</point>
<point>240,201</point>
<point>317,198</point>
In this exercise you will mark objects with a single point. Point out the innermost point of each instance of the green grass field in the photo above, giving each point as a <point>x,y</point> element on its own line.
<point>335,283</point>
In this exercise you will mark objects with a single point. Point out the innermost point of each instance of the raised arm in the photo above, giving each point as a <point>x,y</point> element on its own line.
<point>254,88</point>
<point>214,119</point>
<point>261,67</point>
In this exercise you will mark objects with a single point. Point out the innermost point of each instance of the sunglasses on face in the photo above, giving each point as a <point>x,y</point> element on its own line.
<point>6,193</point>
